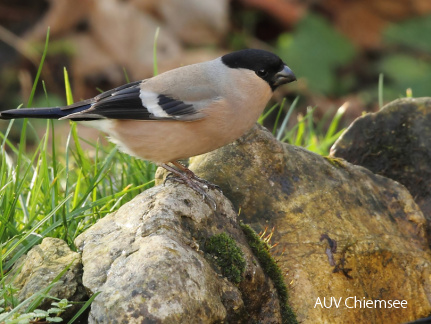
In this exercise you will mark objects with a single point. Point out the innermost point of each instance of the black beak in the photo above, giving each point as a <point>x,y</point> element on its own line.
<point>284,76</point>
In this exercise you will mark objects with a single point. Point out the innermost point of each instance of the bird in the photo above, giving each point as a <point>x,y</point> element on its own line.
<point>184,112</point>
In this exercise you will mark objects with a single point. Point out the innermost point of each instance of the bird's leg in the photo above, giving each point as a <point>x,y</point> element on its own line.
<point>193,176</point>
<point>186,176</point>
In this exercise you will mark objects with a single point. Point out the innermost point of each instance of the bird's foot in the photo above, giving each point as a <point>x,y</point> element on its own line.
<point>203,182</point>
<point>193,176</point>
<point>185,176</point>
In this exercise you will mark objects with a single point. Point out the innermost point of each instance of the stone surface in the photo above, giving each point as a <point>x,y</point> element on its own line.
<point>148,260</point>
<point>41,265</point>
<point>394,142</point>
<point>341,230</point>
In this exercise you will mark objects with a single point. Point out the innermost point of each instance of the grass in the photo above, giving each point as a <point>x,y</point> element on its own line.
<point>317,137</point>
<point>60,192</point>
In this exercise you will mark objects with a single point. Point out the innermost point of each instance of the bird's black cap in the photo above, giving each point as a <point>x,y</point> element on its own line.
<point>266,65</point>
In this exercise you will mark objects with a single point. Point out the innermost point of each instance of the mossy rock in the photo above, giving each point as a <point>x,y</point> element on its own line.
<point>261,251</point>
<point>227,255</point>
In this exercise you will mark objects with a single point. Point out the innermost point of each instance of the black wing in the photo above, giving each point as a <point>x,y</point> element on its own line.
<point>125,103</point>
<point>119,103</point>
<point>175,108</point>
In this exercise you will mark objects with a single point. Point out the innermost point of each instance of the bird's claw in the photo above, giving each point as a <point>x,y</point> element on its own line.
<point>191,180</point>
<point>171,177</point>
<point>196,185</point>
<point>206,183</point>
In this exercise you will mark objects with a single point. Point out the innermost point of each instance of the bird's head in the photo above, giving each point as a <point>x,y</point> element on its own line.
<point>266,65</point>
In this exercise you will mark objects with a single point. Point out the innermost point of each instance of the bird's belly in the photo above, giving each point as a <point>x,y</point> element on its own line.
<point>169,140</point>
<point>165,141</point>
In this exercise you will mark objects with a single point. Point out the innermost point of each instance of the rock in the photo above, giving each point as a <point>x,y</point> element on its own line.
<point>156,260</point>
<point>341,230</point>
<point>394,142</point>
<point>43,263</point>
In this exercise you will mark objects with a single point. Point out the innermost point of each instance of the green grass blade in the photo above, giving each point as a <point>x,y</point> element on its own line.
<point>280,110</point>
<point>5,317</point>
<point>39,70</point>
<point>126,76</point>
<point>283,126</point>
<point>380,90</point>
<point>83,308</point>
<point>336,121</point>
<point>266,114</point>
<point>35,227</point>
<point>69,97</point>
<point>156,36</point>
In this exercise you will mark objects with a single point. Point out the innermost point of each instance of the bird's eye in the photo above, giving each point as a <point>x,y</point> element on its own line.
<point>262,73</point>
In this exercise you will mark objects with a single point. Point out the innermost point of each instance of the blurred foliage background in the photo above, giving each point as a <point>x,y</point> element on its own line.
<point>337,48</point>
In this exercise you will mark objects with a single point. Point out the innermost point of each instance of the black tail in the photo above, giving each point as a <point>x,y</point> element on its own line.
<point>45,113</point>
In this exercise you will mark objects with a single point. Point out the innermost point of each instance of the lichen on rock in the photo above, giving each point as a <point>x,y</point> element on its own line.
<point>150,262</point>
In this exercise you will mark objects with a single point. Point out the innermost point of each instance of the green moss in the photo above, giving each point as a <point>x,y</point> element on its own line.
<point>227,255</point>
<point>336,162</point>
<point>261,251</point>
